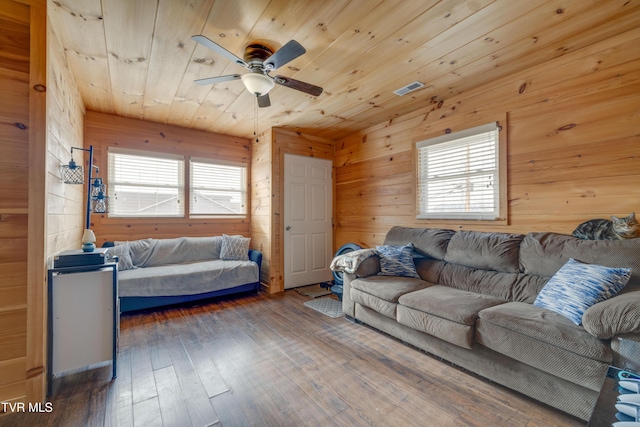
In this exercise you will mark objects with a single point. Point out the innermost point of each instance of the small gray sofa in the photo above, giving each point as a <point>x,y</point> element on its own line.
<point>473,306</point>
<point>158,272</point>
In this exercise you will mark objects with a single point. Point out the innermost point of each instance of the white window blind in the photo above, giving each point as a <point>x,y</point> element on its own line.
<point>145,184</point>
<point>458,175</point>
<point>217,188</point>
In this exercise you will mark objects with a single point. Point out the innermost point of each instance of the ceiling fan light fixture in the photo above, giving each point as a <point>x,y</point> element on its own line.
<point>260,60</point>
<point>257,83</point>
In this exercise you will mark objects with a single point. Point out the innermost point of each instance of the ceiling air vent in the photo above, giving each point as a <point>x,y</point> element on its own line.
<point>408,88</point>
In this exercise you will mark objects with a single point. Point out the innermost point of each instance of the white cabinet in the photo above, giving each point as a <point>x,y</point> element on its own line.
<point>83,318</point>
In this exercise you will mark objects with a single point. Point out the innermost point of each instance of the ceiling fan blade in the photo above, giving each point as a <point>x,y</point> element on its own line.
<point>219,79</point>
<point>298,85</point>
<point>285,54</point>
<point>204,41</point>
<point>264,101</point>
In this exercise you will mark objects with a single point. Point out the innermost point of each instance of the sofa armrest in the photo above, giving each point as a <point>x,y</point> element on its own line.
<point>350,262</point>
<point>615,316</point>
<point>368,267</point>
<point>256,256</point>
<point>348,306</point>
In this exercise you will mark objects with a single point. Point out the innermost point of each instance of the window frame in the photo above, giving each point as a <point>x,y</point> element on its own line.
<point>448,135</point>
<point>180,186</point>
<point>244,191</point>
<point>185,196</point>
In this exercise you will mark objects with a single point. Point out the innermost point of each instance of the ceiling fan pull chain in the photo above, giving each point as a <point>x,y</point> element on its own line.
<point>255,119</point>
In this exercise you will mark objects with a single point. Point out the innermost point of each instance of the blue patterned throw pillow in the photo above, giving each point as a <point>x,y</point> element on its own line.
<point>397,261</point>
<point>577,286</point>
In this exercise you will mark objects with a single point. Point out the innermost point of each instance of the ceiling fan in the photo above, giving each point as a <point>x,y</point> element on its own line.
<point>260,60</point>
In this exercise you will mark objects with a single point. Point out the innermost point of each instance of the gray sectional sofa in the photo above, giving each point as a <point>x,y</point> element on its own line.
<point>472,305</point>
<point>157,272</point>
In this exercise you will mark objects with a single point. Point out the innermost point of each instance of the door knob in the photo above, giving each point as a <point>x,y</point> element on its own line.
<point>288,227</point>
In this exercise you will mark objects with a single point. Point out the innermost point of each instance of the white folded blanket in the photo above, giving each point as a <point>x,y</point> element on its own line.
<point>349,262</point>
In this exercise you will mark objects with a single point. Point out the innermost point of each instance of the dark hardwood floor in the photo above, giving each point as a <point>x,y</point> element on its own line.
<point>270,361</point>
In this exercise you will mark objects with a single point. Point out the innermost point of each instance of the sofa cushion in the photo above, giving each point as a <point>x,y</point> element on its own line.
<point>577,286</point>
<point>451,304</point>
<point>397,261</point>
<point>388,288</point>
<point>123,253</point>
<point>446,313</point>
<point>139,250</point>
<point>446,330</point>
<point>544,340</point>
<point>542,254</point>
<point>527,288</point>
<point>488,251</point>
<point>379,305</point>
<point>155,252</point>
<point>494,283</point>
<point>429,269</point>
<point>431,242</point>
<point>186,279</point>
<point>381,293</point>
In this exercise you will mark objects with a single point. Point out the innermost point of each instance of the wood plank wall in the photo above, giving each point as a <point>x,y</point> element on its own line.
<point>65,129</point>
<point>267,191</point>
<point>104,130</point>
<point>22,199</point>
<point>64,222</point>
<point>572,147</point>
<point>262,194</point>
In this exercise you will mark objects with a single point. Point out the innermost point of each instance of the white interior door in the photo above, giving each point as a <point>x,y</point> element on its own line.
<point>308,239</point>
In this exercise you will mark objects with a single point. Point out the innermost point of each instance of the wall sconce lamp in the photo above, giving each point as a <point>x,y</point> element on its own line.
<point>97,201</point>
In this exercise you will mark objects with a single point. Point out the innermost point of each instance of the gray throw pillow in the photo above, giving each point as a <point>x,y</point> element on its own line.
<point>235,248</point>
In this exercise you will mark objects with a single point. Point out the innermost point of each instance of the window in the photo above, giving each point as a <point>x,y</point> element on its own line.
<point>143,184</point>
<point>459,175</point>
<point>217,188</point>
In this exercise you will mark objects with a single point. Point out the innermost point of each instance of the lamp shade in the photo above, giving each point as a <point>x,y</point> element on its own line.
<point>72,173</point>
<point>257,83</point>
<point>87,240</point>
<point>88,236</point>
<point>96,187</point>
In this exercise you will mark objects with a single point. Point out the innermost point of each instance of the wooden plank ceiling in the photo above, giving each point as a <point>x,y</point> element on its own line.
<point>135,58</point>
